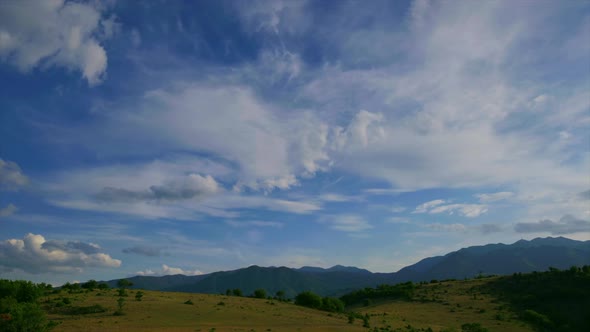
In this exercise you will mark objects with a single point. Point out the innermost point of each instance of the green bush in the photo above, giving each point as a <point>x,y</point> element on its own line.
<point>260,293</point>
<point>308,299</point>
<point>332,304</point>
<point>19,310</point>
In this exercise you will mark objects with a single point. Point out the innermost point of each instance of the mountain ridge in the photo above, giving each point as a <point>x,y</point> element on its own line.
<point>521,256</point>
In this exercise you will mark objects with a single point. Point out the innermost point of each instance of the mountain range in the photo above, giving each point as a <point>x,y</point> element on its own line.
<point>498,259</point>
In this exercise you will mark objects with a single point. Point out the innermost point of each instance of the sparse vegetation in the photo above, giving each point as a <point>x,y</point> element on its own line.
<point>450,307</point>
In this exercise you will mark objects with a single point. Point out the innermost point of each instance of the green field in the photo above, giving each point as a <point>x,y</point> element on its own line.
<point>440,306</point>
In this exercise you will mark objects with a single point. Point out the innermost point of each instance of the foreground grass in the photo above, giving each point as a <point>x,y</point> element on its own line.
<point>440,306</point>
<point>165,311</point>
<point>445,306</point>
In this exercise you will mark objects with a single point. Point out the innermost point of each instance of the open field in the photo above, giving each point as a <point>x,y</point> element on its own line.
<point>440,306</point>
<point>446,305</point>
<point>163,311</point>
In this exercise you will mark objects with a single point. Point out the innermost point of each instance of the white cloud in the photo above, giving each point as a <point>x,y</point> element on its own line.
<point>11,176</point>
<point>424,207</point>
<point>338,198</point>
<point>8,210</point>
<point>398,209</point>
<point>34,254</point>
<point>567,224</point>
<point>398,220</point>
<point>266,148</point>
<point>440,206</point>
<point>190,187</point>
<point>254,223</point>
<point>467,210</point>
<point>493,197</point>
<point>54,33</point>
<point>168,270</point>
<point>446,227</point>
<point>346,223</point>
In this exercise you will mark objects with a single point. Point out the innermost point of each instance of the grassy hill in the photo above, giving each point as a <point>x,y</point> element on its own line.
<point>440,306</point>
<point>541,301</point>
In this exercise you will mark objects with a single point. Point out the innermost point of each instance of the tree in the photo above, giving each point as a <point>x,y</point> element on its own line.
<point>90,284</point>
<point>120,304</point>
<point>124,283</point>
<point>332,304</point>
<point>19,310</point>
<point>308,299</point>
<point>103,286</point>
<point>280,295</point>
<point>260,293</point>
<point>237,292</point>
<point>138,295</point>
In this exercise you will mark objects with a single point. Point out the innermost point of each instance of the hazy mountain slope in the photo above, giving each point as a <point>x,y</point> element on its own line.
<point>522,256</point>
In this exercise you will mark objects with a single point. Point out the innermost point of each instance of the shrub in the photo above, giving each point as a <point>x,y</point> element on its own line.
<point>260,293</point>
<point>120,304</point>
<point>537,318</point>
<point>188,302</point>
<point>308,299</point>
<point>93,309</point>
<point>138,295</point>
<point>332,304</point>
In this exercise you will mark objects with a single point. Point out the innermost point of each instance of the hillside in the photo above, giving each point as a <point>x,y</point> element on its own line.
<point>500,259</point>
<point>497,259</point>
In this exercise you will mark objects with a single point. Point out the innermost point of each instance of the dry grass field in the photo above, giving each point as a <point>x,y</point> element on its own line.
<point>446,306</point>
<point>443,306</point>
<point>164,311</point>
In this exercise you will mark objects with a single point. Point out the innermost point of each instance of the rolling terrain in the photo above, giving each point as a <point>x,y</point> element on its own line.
<point>492,259</point>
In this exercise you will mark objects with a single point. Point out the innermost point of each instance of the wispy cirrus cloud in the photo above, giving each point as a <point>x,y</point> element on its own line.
<point>8,210</point>
<point>442,206</point>
<point>11,176</point>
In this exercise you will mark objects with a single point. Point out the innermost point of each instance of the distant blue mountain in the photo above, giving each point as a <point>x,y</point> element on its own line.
<point>522,256</point>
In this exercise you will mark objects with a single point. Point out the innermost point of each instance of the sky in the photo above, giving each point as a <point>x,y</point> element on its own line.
<point>165,137</point>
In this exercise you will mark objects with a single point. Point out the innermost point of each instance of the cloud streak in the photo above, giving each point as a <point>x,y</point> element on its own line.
<point>567,224</point>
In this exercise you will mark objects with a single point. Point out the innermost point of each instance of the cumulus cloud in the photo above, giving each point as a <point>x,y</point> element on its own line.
<point>38,33</point>
<point>143,251</point>
<point>440,206</point>
<point>8,210</point>
<point>567,224</point>
<point>11,176</point>
<point>168,270</point>
<point>485,198</point>
<point>35,254</point>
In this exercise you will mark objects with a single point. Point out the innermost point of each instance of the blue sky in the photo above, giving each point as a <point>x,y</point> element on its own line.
<point>189,137</point>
